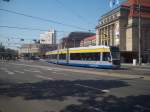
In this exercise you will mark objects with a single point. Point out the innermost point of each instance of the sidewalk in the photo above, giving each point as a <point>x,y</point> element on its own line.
<point>130,65</point>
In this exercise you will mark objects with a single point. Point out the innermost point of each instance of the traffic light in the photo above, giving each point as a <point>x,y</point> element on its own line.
<point>21,39</point>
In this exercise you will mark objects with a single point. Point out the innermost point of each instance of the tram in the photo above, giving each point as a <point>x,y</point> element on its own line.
<point>92,56</point>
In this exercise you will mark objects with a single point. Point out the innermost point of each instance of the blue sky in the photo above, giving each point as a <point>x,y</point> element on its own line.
<point>81,13</point>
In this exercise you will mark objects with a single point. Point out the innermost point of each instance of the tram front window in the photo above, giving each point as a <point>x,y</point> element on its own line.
<point>106,56</point>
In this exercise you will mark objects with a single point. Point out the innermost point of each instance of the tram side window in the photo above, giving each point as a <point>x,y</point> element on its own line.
<point>62,56</point>
<point>54,56</point>
<point>85,56</point>
<point>48,57</point>
<point>106,56</point>
<point>75,56</point>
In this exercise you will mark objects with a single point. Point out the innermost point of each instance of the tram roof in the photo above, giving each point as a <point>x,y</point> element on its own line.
<point>90,47</point>
<point>79,49</point>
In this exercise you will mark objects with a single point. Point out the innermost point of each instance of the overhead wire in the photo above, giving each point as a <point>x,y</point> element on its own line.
<point>43,19</point>
<point>27,28</point>
<point>73,12</point>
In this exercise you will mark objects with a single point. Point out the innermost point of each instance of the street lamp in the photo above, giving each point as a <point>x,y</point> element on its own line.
<point>139,29</point>
<point>74,42</point>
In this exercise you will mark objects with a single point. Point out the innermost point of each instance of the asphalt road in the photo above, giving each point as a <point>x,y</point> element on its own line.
<point>28,86</point>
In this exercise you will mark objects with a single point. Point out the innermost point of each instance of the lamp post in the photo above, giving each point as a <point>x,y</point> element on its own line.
<point>139,30</point>
<point>74,42</point>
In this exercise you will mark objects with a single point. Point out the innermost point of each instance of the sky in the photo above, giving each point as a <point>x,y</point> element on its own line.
<point>83,15</point>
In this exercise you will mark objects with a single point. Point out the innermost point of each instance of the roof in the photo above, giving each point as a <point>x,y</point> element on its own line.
<point>135,2</point>
<point>100,48</point>
<point>79,35</point>
<point>90,47</point>
<point>145,8</point>
<point>131,5</point>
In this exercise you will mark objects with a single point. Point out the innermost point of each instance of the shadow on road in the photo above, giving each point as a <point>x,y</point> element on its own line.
<point>95,100</point>
<point>58,89</point>
<point>112,104</point>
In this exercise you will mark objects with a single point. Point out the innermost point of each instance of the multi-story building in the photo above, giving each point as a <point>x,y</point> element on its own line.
<point>88,41</point>
<point>48,37</point>
<point>119,27</point>
<point>47,47</point>
<point>74,39</point>
<point>27,50</point>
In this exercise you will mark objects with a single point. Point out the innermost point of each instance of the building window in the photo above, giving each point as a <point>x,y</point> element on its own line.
<point>111,18</point>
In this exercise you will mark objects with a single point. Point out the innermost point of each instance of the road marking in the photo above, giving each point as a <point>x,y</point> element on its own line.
<point>27,70</point>
<point>56,69</point>
<point>60,73</point>
<point>43,77</point>
<point>9,72</point>
<point>36,71</point>
<point>85,86</point>
<point>97,109</point>
<point>102,73</point>
<point>142,107</point>
<point>19,72</point>
<point>49,69</point>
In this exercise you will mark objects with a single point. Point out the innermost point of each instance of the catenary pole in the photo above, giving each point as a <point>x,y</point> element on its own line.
<point>139,30</point>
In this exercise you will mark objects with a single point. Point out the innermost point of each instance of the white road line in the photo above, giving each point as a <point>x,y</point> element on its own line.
<point>19,72</point>
<point>9,72</point>
<point>43,77</point>
<point>142,107</point>
<point>36,71</point>
<point>120,75</point>
<point>40,66</point>
<point>85,86</point>
<point>27,70</point>
<point>49,69</point>
<point>60,73</point>
<point>97,109</point>
<point>56,70</point>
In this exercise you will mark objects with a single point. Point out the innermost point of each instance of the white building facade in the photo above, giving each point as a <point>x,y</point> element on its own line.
<point>48,37</point>
<point>29,50</point>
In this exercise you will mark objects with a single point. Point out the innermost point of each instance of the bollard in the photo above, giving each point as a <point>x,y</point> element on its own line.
<point>134,62</point>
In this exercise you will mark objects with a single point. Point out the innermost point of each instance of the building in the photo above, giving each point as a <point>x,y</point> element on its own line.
<point>47,47</point>
<point>88,41</point>
<point>48,37</point>
<point>27,50</point>
<point>119,27</point>
<point>74,39</point>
